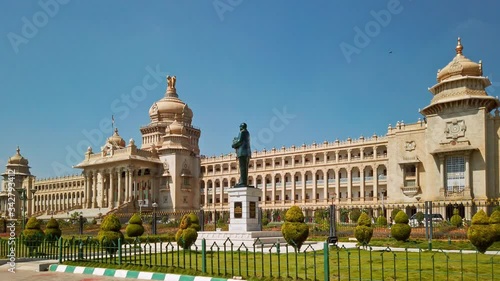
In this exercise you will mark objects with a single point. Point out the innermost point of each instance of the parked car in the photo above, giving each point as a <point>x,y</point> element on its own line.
<point>436,218</point>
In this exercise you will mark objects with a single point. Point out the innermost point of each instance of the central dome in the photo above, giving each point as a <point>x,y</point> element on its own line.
<point>460,66</point>
<point>170,107</point>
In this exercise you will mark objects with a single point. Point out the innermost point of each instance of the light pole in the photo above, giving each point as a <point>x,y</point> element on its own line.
<point>333,233</point>
<point>24,196</point>
<point>140,206</point>
<point>81,223</point>
<point>155,205</point>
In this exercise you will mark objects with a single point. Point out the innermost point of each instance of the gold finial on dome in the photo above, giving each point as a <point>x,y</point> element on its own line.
<point>18,151</point>
<point>459,47</point>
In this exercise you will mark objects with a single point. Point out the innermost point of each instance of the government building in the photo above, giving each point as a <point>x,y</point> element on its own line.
<point>450,157</point>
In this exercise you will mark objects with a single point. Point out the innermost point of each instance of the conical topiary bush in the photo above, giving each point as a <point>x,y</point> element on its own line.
<point>456,219</point>
<point>32,234</point>
<point>495,224</point>
<point>187,233</point>
<point>480,233</point>
<point>52,230</point>
<point>134,227</point>
<point>110,233</point>
<point>364,230</point>
<point>295,230</point>
<point>401,230</point>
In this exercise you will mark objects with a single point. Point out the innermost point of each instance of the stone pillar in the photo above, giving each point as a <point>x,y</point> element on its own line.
<point>283,187</point>
<point>325,185</point>
<point>336,156</point>
<point>337,185</point>
<point>374,152</point>
<point>119,188</point>
<point>127,186</point>
<point>94,188</point>
<point>293,189</point>
<point>87,190</point>
<point>111,190</point>
<point>303,178</point>
<point>362,183</point>
<point>375,183</point>
<point>102,177</point>
<point>349,184</point>
<point>130,184</point>
<point>273,189</point>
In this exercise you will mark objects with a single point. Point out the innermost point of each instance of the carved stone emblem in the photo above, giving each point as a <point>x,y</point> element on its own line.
<point>455,129</point>
<point>410,145</point>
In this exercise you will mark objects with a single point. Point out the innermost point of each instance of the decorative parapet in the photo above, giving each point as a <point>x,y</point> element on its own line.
<point>410,191</point>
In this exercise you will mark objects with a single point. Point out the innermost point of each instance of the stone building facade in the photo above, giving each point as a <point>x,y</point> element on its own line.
<point>449,157</point>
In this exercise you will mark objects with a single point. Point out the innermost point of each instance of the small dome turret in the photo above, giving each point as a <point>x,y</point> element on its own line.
<point>460,66</point>
<point>116,140</point>
<point>18,159</point>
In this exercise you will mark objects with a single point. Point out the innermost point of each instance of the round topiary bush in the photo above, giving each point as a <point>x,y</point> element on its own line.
<point>495,224</point>
<point>110,233</point>
<point>134,227</point>
<point>52,230</point>
<point>187,233</point>
<point>364,230</point>
<point>394,213</point>
<point>480,233</point>
<point>33,234</point>
<point>456,219</point>
<point>401,230</point>
<point>382,221</point>
<point>295,230</point>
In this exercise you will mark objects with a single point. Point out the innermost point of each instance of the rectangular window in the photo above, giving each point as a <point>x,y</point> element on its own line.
<point>455,173</point>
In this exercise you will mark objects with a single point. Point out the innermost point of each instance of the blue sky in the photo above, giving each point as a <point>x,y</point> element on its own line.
<point>278,65</point>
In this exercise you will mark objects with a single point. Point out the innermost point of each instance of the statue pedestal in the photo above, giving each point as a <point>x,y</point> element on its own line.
<point>244,209</point>
<point>244,228</point>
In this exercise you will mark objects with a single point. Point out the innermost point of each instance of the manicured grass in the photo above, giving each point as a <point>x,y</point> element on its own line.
<point>344,264</point>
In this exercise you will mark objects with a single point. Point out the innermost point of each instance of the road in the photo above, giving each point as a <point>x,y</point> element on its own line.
<point>31,275</point>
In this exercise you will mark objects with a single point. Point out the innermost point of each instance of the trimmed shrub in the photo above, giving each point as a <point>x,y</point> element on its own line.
<point>382,221</point>
<point>33,234</point>
<point>401,230</point>
<point>265,221</point>
<point>495,224</point>
<point>394,213</point>
<point>480,233</point>
<point>295,230</point>
<point>364,230</point>
<point>52,230</point>
<point>420,217</point>
<point>134,227</point>
<point>110,233</point>
<point>354,214</point>
<point>456,219</point>
<point>187,233</point>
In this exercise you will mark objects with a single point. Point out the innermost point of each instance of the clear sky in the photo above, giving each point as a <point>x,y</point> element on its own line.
<point>295,71</point>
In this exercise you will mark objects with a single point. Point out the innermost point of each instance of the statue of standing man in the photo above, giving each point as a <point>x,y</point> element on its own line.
<point>243,153</point>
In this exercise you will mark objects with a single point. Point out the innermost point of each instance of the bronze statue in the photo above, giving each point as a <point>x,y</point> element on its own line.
<point>243,153</point>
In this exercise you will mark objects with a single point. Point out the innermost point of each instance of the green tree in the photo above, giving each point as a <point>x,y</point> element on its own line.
<point>295,230</point>
<point>110,233</point>
<point>480,233</point>
<point>52,230</point>
<point>394,213</point>
<point>364,230</point>
<point>354,214</point>
<point>134,227</point>
<point>33,234</point>
<point>456,219</point>
<point>420,217</point>
<point>381,221</point>
<point>401,230</point>
<point>187,233</point>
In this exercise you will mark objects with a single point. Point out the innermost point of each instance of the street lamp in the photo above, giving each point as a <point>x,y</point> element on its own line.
<point>140,206</point>
<point>154,205</point>
<point>332,238</point>
<point>81,223</point>
<point>24,196</point>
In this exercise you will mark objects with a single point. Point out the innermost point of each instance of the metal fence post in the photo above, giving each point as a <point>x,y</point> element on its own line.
<point>60,249</point>
<point>119,251</point>
<point>326,260</point>
<point>203,256</point>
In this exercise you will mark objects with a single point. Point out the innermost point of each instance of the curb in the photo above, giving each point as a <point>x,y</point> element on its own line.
<point>121,273</point>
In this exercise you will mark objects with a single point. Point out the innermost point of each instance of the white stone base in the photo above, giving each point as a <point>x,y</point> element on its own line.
<point>244,196</point>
